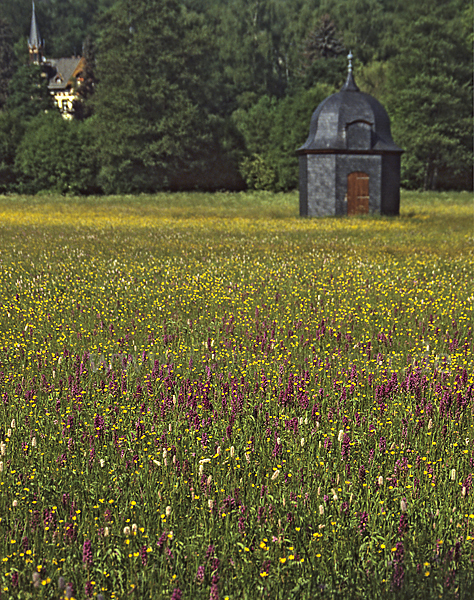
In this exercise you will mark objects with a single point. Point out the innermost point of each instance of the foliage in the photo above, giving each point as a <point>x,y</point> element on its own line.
<point>82,109</point>
<point>64,24</point>
<point>273,131</point>
<point>54,154</point>
<point>7,57</point>
<point>324,41</point>
<point>367,25</point>
<point>429,95</point>
<point>257,173</point>
<point>28,94</point>
<point>168,113</point>
<point>28,97</point>
<point>232,405</point>
<point>166,125</point>
<point>433,119</point>
<point>12,129</point>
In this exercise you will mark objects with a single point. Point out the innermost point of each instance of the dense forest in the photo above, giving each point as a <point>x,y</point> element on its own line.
<point>218,94</point>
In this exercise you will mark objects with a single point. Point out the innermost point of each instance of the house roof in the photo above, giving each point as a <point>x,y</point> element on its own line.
<point>63,71</point>
<point>337,113</point>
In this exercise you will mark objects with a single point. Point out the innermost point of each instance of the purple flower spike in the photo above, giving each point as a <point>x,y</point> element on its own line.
<point>87,554</point>
<point>200,574</point>
<point>176,595</point>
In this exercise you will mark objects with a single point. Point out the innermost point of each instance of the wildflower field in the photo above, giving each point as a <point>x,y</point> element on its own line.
<point>207,397</point>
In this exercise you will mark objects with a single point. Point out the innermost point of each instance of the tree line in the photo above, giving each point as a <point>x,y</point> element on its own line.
<point>218,94</point>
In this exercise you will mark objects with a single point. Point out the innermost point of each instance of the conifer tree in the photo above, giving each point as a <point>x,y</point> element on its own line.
<point>82,109</point>
<point>152,106</point>
<point>28,93</point>
<point>7,57</point>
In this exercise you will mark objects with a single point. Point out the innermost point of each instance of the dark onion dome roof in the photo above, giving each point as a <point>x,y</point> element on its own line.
<point>350,120</point>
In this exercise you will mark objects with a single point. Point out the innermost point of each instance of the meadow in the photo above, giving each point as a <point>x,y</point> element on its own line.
<point>207,397</point>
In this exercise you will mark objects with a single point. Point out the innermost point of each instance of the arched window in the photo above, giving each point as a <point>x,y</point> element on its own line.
<point>359,135</point>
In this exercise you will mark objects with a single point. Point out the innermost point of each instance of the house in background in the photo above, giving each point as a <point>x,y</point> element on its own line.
<point>63,74</point>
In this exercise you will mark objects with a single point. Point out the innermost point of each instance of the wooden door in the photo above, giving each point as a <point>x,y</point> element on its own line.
<point>357,193</point>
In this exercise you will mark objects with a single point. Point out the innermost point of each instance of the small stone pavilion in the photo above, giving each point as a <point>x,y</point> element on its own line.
<point>349,164</point>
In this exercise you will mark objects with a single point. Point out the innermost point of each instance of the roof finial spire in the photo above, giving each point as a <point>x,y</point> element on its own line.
<point>350,57</point>
<point>350,85</point>
<point>34,41</point>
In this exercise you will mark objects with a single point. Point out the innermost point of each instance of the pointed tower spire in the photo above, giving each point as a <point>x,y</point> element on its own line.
<point>350,85</point>
<point>35,44</point>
